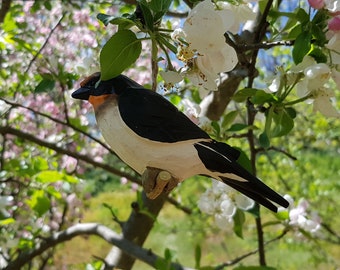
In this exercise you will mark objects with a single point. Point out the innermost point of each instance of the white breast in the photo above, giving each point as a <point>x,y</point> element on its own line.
<point>180,159</point>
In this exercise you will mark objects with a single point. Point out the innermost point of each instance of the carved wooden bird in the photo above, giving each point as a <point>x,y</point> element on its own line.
<point>159,142</point>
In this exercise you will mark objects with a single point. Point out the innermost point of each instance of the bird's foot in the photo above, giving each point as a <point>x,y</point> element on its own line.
<point>155,181</point>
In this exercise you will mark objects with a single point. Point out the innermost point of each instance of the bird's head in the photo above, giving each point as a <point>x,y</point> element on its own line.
<point>97,91</point>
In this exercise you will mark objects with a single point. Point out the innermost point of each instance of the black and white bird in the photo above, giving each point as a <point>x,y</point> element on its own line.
<point>147,131</point>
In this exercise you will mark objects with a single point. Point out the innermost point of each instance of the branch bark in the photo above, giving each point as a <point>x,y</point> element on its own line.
<point>5,6</point>
<point>136,230</point>
<point>89,229</point>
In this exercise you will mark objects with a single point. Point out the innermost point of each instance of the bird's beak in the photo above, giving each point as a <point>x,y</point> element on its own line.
<point>81,93</point>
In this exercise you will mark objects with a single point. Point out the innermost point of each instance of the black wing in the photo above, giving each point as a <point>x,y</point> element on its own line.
<point>153,117</point>
<point>222,158</point>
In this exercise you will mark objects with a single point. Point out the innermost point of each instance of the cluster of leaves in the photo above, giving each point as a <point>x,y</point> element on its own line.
<point>124,47</point>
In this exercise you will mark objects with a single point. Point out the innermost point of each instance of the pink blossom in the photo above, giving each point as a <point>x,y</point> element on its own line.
<point>123,180</point>
<point>317,4</point>
<point>334,23</point>
<point>134,186</point>
<point>69,163</point>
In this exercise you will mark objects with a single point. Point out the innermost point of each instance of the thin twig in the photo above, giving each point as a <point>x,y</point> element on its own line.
<point>251,113</point>
<point>14,104</point>
<point>277,149</point>
<point>240,258</point>
<point>44,44</point>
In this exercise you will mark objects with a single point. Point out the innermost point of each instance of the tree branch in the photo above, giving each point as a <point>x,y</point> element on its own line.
<point>14,105</point>
<point>5,6</point>
<point>61,150</point>
<point>102,231</point>
<point>137,234</point>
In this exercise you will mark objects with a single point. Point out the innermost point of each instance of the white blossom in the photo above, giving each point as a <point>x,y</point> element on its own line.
<point>222,201</point>
<point>204,27</point>
<point>178,34</point>
<point>334,46</point>
<point>205,51</point>
<point>242,13</point>
<point>314,85</point>
<point>299,216</point>
<point>191,110</point>
<point>333,5</point>
<point>4,202</point>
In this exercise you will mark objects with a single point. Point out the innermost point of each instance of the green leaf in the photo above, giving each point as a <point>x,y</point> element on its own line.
<point>122,22</point>
<point>238,127</point>
<point>157,7</point>
<point>282,215</point>
<point>175,99</point>
<point>229,118</point>
<point>302,16</point>
<point>49,176</point>
<point>40,164</point>
<point>264,140</point>
<point>294,32</point>
<point>147,15</point>
<point>104,18</point>
<point>7,221</point>
<point>291,112</point>
<point>168,254</point>
<point>262,97</point>
<point>53,192</point>
<point>121,50</point>
<point>198,255</point>
<point>216,127</point>
<point>242,95</point>
<point>39,202</point>
<point>163,38</point>
<point>318,55</point>
<point>239,219</point>
<point>302,46</point>
<point>45,85</point>
<point>284,123</point>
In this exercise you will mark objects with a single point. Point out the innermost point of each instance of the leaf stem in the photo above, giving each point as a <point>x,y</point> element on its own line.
<point>298,100</point>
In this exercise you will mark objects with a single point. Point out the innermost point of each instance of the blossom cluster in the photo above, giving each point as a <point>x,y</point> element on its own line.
<point>313,81</point>
<point>202,47</point>
<point>222,201</point>
<point>300,217</point>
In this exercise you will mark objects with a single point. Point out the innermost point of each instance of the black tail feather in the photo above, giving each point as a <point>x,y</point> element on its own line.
<point>220,159</point>
<point>244,188</point>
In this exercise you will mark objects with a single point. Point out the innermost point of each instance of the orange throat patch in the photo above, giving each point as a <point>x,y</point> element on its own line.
<point>97,101</point>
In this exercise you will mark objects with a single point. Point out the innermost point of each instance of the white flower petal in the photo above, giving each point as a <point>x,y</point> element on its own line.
<point>243,202</point>
<point>171,76</point>
<point>306,62</point>
<point>178,34</point>
<point>223,222</point>
<point>202,27</point>
<point>324,105</point>
<point>302,89</point>
<point>228,208</point>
